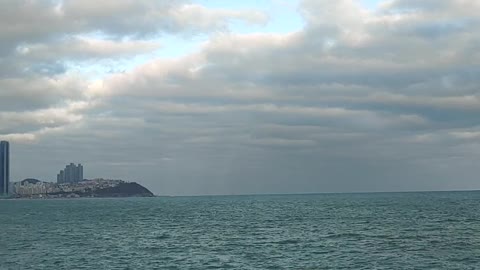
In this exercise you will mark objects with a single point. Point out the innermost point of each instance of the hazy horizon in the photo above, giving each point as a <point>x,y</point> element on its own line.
<point>244,97</point>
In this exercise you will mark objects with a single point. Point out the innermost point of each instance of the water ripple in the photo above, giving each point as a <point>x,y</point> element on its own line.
<point>348,231</point>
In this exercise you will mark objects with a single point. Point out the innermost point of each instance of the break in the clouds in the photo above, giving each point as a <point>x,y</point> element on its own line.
<point>359,98</point>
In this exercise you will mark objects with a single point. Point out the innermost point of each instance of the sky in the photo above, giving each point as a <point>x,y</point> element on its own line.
<point>244,97</point>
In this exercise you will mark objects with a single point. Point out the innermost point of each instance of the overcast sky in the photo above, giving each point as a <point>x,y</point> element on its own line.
<point>236,97</point>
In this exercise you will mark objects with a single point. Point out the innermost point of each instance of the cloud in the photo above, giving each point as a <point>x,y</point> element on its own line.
<point>40,36</point>
<point>357,100</point>
<point>81,48</point>
<point>36,92</point>
<point>27,21</point>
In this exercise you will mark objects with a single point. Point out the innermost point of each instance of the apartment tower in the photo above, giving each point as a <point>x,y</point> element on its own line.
<point>4,167</point>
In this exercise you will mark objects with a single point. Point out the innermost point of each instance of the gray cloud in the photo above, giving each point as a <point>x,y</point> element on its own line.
<point>84,48</point>
<point>357,100</point>
<point>34,21</point>
<point>43,33</point>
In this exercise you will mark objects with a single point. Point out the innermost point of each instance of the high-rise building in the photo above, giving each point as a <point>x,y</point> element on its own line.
<point>80,172</point>
<point>4,167</point>
<point>61,177</point>
<point>71,174</point>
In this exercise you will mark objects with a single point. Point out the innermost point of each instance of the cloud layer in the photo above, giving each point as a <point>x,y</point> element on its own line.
<point>357,100</point>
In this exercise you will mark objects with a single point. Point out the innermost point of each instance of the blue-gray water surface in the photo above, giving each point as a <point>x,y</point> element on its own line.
<point>433,230</point>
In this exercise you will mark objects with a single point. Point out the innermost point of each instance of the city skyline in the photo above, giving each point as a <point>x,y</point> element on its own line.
<point>71,174</point>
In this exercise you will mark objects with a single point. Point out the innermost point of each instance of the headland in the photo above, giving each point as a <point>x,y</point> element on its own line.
<point>95,188</point>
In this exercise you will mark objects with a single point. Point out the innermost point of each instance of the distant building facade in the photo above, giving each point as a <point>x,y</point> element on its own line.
<point>4,167</point>
<point>31,187</point>
<point>71,174</point>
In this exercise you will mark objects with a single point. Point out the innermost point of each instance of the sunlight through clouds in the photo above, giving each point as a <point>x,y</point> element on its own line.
<point>371,88</point>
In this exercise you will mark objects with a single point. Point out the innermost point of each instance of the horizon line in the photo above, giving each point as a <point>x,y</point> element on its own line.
<point>321,193</point>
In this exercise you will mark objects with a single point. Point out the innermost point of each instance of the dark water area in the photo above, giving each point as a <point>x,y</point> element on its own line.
<point>433,230</point>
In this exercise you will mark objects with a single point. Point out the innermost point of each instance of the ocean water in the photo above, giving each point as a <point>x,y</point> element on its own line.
<point>435,230</point>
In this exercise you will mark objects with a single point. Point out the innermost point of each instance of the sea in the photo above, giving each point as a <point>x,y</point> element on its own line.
<point>422,230</point>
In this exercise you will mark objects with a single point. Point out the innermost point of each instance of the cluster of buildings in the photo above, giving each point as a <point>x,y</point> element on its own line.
<point>70,183</point>
<point>71,174</point>
<point>33,188</point>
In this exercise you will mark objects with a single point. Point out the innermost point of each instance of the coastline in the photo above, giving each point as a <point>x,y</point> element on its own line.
<point>97,188</point>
